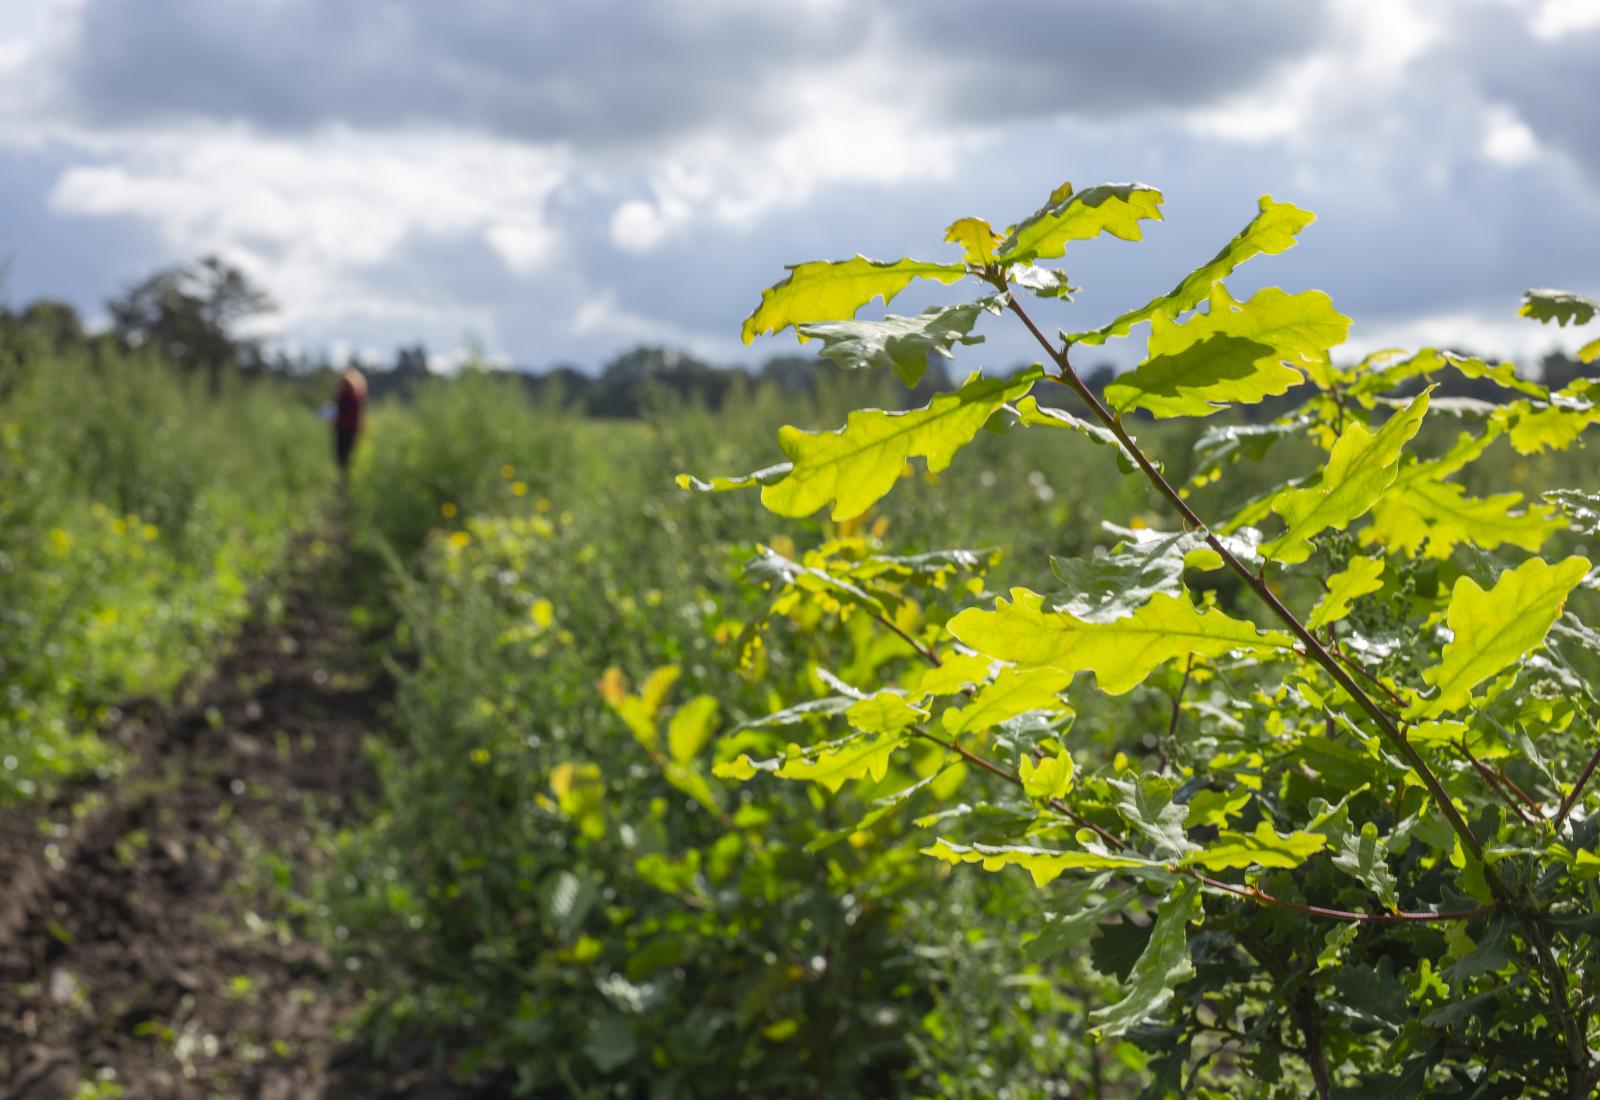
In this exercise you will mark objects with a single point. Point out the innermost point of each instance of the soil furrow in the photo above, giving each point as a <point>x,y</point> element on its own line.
<point>155,947</point>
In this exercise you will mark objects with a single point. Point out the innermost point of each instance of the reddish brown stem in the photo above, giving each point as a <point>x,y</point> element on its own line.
<point>1314,649</point>
<point>1577,788</point>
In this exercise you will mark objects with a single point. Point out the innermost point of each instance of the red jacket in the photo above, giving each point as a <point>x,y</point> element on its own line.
<point>348,417</point>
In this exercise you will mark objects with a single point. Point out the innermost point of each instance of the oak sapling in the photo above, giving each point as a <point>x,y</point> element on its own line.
<point>1364,856</point>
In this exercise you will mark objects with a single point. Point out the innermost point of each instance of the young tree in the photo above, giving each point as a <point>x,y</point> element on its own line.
<point>190,313</point>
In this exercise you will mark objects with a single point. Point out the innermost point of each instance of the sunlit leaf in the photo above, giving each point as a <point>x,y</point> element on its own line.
<point>958,671</point>
<point>1441,513</point>
<point>691,727</point>
<point>978,240</point>
<point>1120,653</point>
<point>1493,629</point>
<point>1237,353</point>
<point>1202,379</point>
<point>1050,777</point>
<point>884,712</point>
<point>719,483</point>
<point>1045,865</point>
<point>1114,208</point>
<point>1272,231</point>
<point>852,468</point>
<point>1359,578</point>
<point>832,291</point>
<point>1013,692</point>
<point>1265,847</point>
<point>1361,466</point>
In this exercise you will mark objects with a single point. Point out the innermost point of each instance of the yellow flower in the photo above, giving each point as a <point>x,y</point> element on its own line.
<point>60,542</point>
<point>459,540</point>
<point>542,612</point>
<point>447,510</point>
<point>508,472</point>
<point>149,532</point>
<point>519,488</point>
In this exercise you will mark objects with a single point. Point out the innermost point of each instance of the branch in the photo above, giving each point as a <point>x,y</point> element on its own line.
<point>1313,648</point>
<point>922,651</point>
<point>1252,892</point>
<point>1577,788</point>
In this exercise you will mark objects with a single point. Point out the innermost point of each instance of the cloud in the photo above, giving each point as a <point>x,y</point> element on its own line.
<point>308,215</point>
<point>563,178</point>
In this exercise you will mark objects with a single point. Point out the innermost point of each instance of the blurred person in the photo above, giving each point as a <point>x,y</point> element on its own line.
<point>347,416</point>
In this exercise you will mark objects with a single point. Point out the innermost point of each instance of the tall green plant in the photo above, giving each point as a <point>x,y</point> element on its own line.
<point>1359,855</point>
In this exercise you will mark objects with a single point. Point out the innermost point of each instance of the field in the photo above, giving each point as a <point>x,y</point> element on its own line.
<point>519,765</point>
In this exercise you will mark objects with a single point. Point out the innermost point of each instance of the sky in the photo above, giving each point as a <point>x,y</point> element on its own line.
<point>556,182</point>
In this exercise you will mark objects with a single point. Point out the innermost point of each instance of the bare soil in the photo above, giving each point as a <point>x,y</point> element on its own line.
<point>150,937</point>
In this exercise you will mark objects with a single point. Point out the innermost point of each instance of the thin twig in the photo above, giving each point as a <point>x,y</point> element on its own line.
<point>1493,781</point>
<point>1177,708</point>
<point>1251,891</point>
<point>923,651</point>
<point>1577,788</point>
<point>1313,648</point>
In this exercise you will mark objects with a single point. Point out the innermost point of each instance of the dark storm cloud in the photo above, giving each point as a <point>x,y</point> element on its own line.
<point>1553,85</point>
<point>1103,57</point>
<point>593,72</point>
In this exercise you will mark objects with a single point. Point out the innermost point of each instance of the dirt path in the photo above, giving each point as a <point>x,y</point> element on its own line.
<point>143,940</point>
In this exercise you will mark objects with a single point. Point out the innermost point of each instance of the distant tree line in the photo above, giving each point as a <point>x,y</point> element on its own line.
<point>191,315</point>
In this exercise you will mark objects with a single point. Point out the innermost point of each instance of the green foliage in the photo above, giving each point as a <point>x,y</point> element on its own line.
<point>1357,853</point>
<point>566,868</point>
<point>137,510</point>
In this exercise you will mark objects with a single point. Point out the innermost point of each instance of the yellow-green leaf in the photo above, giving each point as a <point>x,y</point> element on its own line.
<point>1114,208</point>
<point>1202,379</point>
<point>957,671</point>
<point>580,794</point>
<point>1271,231</point>
<point>832,291</point>
<point>720,483</point>
<point>1555,427</point>
<point>977,239</point>
<point>691,727</point>
<point>1050,777</point>
<point>883,712</point>
<point>1360,468</point>
<point>833,767</point>
<point>1120,653</point>
<point>1214,808</point>
<point>1014,691</point>
<point>1237,353</point>
<point>1589,352</point>
<point>1266,847</point>
<point>853,467</point>
<point>1045,865</point>
<point>1443,514</point>
<point>1360,577</point>
<point>1492,630</point>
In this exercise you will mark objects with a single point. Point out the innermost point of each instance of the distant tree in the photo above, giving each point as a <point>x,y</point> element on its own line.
<point>190,313</point>
<point>57,323</point>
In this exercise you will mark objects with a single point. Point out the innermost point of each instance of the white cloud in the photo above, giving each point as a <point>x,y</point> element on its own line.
<point>1554,19</point>
<point>1507,139</point>
<point>311,216</point>
<point>842,139</point>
